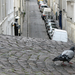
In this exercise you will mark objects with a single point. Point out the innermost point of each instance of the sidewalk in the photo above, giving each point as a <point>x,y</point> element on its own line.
<point>32,56</point>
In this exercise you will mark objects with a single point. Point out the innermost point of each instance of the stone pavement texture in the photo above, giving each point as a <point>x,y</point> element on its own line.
<point>32,56</point>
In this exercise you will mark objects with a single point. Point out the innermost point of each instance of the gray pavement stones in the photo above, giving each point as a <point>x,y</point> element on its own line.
<point>32,56</point>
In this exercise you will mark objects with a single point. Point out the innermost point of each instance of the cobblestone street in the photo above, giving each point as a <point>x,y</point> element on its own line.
<point>32,56</point>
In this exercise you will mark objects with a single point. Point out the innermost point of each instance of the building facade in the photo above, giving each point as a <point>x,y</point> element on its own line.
<point>64,12</point>
<point>67,8</point>
<point>6,17</point>
<point>10,12</point>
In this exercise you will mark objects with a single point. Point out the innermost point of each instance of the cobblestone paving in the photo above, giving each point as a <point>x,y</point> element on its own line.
<point>32,56</point>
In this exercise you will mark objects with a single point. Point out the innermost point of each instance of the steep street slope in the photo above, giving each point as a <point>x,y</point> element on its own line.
<point>33,26</point>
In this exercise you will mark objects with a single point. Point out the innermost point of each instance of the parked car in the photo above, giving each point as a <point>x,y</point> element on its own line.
<point>48,20</point>
<point>42,6</point>
<point>48,17</point>
<point>50,23</point>
<point>60,35</point>
<point>40,3</point>
<point>46,12</point>
<point>51,27</point>
<point>40,0</point>
<point>50,32</point>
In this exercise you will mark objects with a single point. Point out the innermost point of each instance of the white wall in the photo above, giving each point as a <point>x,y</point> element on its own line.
<point>6,17</point>
<point>64,14</point>
<point>9,9</point>
<point>67,22</point>
<point>74,12</point>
